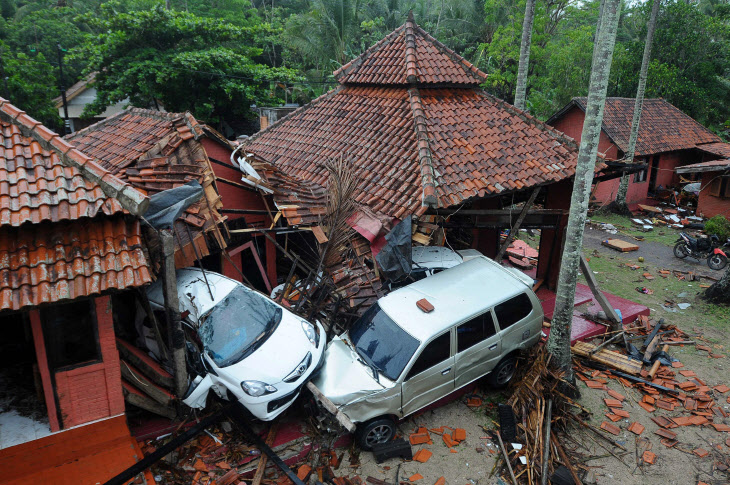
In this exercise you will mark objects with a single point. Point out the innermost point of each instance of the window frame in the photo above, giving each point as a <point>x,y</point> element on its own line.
<point>47,336</point>
<point>496,315</point>
<point>410,375</point>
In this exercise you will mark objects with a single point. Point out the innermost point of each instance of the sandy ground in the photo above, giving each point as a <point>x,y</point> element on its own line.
<point>467,466</point>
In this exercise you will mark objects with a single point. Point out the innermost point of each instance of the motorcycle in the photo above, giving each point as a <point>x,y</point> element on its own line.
<point>706,247</point>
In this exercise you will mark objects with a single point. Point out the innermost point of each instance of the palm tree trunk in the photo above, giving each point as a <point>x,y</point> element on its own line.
<point>521,89</point>
<point>638,105</point>
<point>559,342</point>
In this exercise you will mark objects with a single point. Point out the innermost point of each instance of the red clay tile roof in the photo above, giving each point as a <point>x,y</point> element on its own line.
<point>408,55</point>
<point>663,127</point>
<point>48,262</point>
<point>155,151</point>
<point>63,236</point>
<point>42,177</point>
<point>720,149</point>
<point>478,145</point>
<point>712,166</point>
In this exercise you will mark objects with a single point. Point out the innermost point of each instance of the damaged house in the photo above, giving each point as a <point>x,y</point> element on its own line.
<point>421,139</point>
<point>71,243</point>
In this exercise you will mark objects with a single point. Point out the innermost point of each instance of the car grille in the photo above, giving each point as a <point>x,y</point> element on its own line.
<point>300,369</point>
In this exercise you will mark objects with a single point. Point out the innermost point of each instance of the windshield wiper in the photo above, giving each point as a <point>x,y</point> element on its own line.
<point>366,361</point>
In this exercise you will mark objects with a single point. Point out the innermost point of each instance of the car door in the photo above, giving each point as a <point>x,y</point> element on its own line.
<point>512,319</point>
<point>478,349</point>
<point>431,376</point>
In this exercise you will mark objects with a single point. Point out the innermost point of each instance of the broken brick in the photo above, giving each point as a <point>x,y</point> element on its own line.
<point>648,400</point>
<point>677,365</point>
<point>701,452</point>
<point>422,456</point>
<point>420,438</point>
<point>665,433</point>
<point>613,403</point>
<point>616,395</point>
<point>613,417</point>
<point>448,440</point>
<point>610,428</point>
<point>474,402</point>
<point>459,434</point>
<point>722,389</point>
<point>303,472</point>
<point>453,450</point>
<point>440,481</point>
<point>721,427</point>
<point>415,477</point>
<point>662,404</point>
<point>636,428</point>
<point>595,385</point>
<point>649,457</point>
<point>647,407</point>
<point>621,412</point>
<point>688,373</point>
<point>669,443</point>
<point>662,421</point>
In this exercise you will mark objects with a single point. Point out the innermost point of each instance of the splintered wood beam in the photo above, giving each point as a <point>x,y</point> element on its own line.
<point>598,294</point>
<point>264,459</point>
<point>516,228</point>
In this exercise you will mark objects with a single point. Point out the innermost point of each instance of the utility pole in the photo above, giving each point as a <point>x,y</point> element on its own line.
<point>62,87</point>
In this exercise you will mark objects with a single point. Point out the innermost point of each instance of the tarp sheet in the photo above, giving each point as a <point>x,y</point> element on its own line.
<point>395,260</point>
<point>166,206</point>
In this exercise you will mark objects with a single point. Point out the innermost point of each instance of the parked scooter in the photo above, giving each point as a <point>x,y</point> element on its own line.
<point>706,247</point>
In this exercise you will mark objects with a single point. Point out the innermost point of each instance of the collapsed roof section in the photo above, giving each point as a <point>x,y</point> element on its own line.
<point>409,116</point>
<point>155,151</point>
<point>66,229</point>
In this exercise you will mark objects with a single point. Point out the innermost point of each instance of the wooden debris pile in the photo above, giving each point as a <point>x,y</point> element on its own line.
<point>675,398</point>
<point>542,414</point>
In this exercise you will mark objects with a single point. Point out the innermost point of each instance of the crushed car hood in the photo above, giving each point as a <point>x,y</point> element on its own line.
<point>343,379</point>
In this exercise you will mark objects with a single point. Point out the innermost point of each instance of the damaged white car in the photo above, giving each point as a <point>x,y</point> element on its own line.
<point>424,341</point>
<point>249,348</point>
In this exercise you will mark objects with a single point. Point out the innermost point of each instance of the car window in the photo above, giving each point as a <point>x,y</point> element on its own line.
<point>382,343</point>
<point>435,352</point>
<point>513,310</point>
<point>474,331</point>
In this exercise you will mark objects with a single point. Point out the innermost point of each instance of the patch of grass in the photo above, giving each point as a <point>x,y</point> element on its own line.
<point>661,233</point>
<point>616,277</point>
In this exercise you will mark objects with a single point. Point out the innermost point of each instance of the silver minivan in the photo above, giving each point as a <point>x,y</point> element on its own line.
<point>398,358</point>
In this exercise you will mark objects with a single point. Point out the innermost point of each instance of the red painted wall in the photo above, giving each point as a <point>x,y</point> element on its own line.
<point>572,125</point>
<point>709,205</point>
<point>233,197</point>
<point>668,162</point>
<point>551,242</point>
<point>93,391</point>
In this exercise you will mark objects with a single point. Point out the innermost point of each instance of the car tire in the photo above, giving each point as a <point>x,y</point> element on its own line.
<point>681,250</point>
<point>503,373</point>
<point>374,432</point>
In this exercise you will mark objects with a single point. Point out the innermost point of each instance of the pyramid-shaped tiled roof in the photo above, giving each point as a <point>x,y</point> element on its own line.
<point>410,55</point>
<point>418,130</point>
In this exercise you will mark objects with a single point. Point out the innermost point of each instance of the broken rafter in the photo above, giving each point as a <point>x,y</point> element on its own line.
<point>516,228</point>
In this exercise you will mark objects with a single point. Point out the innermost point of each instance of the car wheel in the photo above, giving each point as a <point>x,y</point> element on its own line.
<point>680,250</point>
<point>503,373</point>
<point>717,262</point>
<point>375,432</point>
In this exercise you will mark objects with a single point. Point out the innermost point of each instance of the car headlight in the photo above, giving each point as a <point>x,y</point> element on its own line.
<point>311,332</point>
<point>257,388</point>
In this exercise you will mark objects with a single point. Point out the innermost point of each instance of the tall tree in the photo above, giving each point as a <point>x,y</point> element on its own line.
<point>521,89</point>
<point>559,341</point>
<point>188,63</point>
<point>620,202</point>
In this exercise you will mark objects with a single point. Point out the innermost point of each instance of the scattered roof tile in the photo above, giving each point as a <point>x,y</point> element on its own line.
<point>663,127</point>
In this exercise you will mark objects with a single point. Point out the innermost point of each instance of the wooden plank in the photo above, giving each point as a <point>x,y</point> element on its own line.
<point>609,358</point>
<point>331,407</point>
<point>136,398</point>
<point>598,294</point>
<point>319,234</point>
<point>145,364</point>
<point>142,383</point>
<point>261,468</point>
<point>620,245</point>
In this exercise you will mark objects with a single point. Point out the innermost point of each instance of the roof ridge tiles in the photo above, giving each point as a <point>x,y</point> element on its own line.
<point>411,61</point>
<point>129,197</point>
<point>425,157</point>
<point>345,69</point>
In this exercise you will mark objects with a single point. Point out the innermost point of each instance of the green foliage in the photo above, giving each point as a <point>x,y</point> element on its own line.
<point>719,226</point>
<point>27,84</point>
<point>180,60</point>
